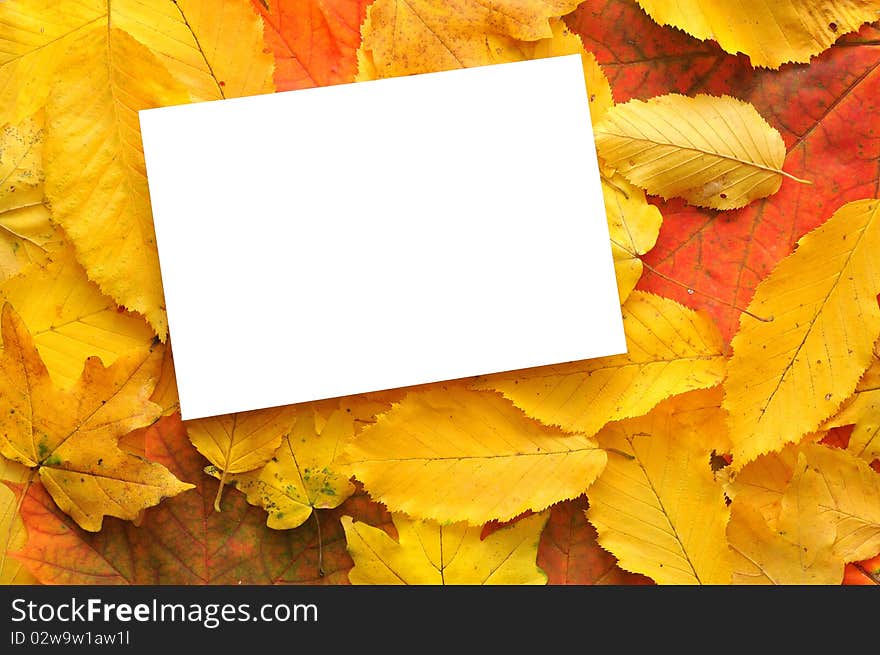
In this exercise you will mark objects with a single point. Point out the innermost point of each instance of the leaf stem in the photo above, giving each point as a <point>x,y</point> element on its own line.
<point>219,492</point>
<point>320,543</point>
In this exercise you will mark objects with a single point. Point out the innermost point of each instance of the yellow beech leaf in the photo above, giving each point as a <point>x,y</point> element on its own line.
<point>403,37</point>
<point>34,35</point>
<point>95,173</point>
<point>671,350</point>
<point>213,48</point>
<point>862,411</point>
<point>26,234</point>
<point>633,225</point>
<point>712,151</point>
<point>427,553</point>
<point>235,443</point>
<point>450,454</point>
<point>12,531</point>
<point>70,436</point>
<point>789,374</point>
<point>656,506</point>
<point>70,319</point>
<point>770,32</point>
<point>840,493</point>
<point>301,475</point>
<point>761,555</point>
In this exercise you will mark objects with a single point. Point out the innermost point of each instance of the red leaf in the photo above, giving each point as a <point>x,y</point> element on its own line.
<point>823,111</point>
<point>182,540</point>
<point>569,553</point>
<point>314,41</point>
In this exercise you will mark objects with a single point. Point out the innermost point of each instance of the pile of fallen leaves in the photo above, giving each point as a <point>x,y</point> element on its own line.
<point>737,441</point>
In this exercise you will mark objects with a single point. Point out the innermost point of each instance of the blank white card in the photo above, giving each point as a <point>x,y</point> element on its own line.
<point>370,236</point>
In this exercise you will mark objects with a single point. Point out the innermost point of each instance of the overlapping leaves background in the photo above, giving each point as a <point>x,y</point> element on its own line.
<point>736,442</point>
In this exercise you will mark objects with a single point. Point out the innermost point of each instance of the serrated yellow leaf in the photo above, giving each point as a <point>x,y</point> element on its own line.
<point>788,375</point>
<point>862,411</point>
<point>34,34</point>
<point>404,37</point>
<point>302,474</point>
<point>70,437</point>
<point>712,151</point>
<point>760,555</point>
<point>95,173</point>
<point>633,225</point>
<point>70,319</point>
<point>840,494</point>
<point>27,236</point>
<point>236,443</point>
<point>770,32</point>
<point>656,506</point>
<point>13,534</point>
<point>215,49</point>
<point>457,455</point>
<point>427,553</point>
<point>671,350</point>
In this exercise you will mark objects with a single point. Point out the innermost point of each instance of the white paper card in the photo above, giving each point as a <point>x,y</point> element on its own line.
<point>369,236</point>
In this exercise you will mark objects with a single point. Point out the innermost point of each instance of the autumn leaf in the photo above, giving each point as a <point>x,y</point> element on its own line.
<point>761,483</point>
<point>770,33</point>
<point>70,437</point>
<point>761,555</point>
<point>95,172</point>
<point>70,319</point>
<point>214,49</point>
<point>301,475</point>
<point>451,554</point>
<point>450,454</point>
<point>314,41</point>
<point>839,493</point>
<point>27,235</point>
<point>421,36</point>
<point>182,540</point>
<point>656,506</point>
<point>712,261</point>
<point>12,531</point>
<point>791,370</point>
<point>236,443</point>
<point>633,225</point>
<point>712,151</point>
<point>671,350</point>
<point>569,553</point>
<point>862,411</point>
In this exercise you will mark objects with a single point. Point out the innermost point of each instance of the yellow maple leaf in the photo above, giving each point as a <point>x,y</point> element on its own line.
<point>70,436</point>
<point>404,37</point>
<point>450,454</point>
<point>95,172</point>
<point>862,411</point>
<point>203,42</point>
<point>633,225</point>
<point>215,49</point>
<point>301,475</point>
<point>770,32</point>
<point>671,350</point>
<point>12,531</point>
<point>236,443</point>
<point>70,319</point>
<point>789,374</point>
<point>27,235</point>
<point>656,506</point>
<point>712,151</point>
<point>427,553</point>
